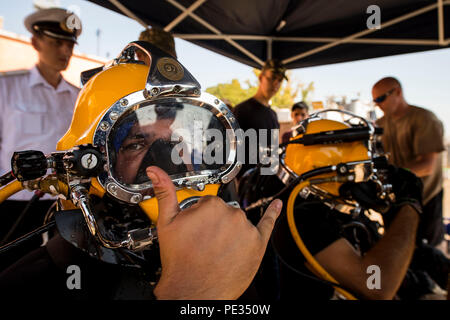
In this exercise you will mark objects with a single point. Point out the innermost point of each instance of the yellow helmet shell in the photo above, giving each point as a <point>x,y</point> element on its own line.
<point>97,96</point>
<point>301,159</point>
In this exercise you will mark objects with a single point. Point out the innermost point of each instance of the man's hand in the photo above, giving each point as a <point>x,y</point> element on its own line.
<point>405,184</point>
<point>407,188</point>
<point>210,250</point>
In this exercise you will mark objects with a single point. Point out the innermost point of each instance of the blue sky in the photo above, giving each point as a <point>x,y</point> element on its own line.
<point>425,76</point>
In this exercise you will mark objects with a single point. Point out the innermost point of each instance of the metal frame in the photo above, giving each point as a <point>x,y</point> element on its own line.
<point>330,41</point>
<point>130,14</point>
<point>182,16</point>
<point>136,100</point>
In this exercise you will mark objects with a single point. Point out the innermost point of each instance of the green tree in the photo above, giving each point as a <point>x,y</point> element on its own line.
<point>306,91</point>
<point>235,92</point>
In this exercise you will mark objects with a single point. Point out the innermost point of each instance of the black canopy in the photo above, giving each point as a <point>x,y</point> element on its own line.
<point>301,33</point>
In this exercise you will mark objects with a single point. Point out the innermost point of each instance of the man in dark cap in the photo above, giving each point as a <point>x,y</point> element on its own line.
<point>256,113</point>
<point>36,107</point>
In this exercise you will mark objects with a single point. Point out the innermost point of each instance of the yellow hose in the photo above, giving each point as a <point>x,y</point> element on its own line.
<point>44,185</point>
<point>63,188</point>
<point>301,245</point>
<point>10,189</point>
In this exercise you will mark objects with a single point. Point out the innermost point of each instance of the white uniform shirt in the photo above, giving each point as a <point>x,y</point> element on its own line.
<point>33,116</point>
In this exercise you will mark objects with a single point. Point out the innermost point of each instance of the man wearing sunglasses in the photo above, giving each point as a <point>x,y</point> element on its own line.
<point>414,138</point>
<point>256,114</point>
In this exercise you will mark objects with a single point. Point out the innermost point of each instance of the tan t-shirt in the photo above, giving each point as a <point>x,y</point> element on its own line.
<point>418,132</point>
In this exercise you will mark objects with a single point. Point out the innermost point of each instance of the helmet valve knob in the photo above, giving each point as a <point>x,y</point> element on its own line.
<point>28,165</point>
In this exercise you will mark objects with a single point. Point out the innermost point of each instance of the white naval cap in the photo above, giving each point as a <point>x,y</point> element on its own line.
<point>54,22</point>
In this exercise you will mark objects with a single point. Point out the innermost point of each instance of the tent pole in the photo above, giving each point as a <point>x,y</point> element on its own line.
<point>441,22</point>
<point>182,16</point>
<point>420,42</point>
<point>361,33</point>
<point>195,36</point>
<point>424,42</point>
<point>128,13</point>
<point>269,49</point>
<point>216,31</point>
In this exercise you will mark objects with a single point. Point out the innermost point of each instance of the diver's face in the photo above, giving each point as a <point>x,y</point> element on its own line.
<point>136,145</point>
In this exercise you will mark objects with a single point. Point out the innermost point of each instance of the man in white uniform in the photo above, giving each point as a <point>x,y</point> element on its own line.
<point>36,108</point>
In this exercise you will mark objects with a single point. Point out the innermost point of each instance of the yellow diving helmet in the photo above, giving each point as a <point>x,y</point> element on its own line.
<point>328,153</point>
<point>131,114</point>
<point>338,162</point>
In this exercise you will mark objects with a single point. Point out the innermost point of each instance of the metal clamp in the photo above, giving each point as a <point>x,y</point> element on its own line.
<point>135,240</point>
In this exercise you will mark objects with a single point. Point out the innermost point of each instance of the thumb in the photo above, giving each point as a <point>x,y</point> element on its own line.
<point>165,194</point>
<point>267,222</point>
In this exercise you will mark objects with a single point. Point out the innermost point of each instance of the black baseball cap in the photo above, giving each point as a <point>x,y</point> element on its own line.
<point>276,66</point>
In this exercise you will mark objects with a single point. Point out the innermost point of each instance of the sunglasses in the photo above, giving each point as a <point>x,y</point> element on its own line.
<point>383,97</point>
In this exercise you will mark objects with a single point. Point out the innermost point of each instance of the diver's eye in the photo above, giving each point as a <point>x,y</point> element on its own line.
<point>134,145</point>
